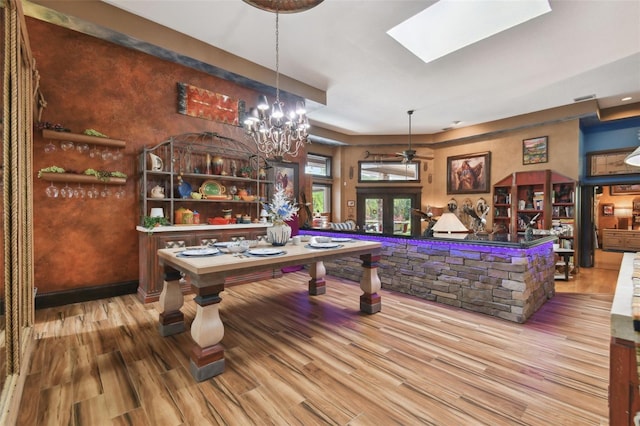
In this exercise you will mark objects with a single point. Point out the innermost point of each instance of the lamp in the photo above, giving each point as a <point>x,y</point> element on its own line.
<point>633,159</point>
<point>274,133</point>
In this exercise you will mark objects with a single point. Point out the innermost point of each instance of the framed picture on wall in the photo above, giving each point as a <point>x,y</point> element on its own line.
<point>626,189</point>
<point>535,150</point>
<point>607,209</point>
<point>285,175</point>
<point>470,173</point>
<point>610,162</point>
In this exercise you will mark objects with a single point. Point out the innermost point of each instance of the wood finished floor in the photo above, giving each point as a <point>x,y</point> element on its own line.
<point>298,359</point>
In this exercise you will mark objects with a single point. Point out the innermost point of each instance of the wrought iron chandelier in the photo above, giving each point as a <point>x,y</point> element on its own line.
<point>275,133</point>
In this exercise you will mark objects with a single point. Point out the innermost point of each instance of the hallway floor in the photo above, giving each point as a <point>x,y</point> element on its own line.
<point>601,278</point>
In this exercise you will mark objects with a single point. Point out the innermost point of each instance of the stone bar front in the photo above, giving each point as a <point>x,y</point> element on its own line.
<point>509,280</point>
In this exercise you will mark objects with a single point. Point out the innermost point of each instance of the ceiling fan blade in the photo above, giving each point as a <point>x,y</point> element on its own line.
<point>423,157</point>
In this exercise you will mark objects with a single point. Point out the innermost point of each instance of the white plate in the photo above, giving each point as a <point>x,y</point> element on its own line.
<point>265,251</point>
<point>201,252</point>
<point>340,240</point>
<point>324,245</point>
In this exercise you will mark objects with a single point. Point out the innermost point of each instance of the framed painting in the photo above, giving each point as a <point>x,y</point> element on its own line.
<point>535,150</point>
<point>607,209</point>
<point>285,175</point>
<point>610,162</point>
<point>470,173</point>
<point>625,189</point>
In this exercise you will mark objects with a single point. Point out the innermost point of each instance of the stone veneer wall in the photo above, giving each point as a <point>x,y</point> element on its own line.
<point>509,283</point>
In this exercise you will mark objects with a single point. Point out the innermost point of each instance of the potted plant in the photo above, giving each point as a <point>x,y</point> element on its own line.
<point>150,222</point>
<point>245,171</point>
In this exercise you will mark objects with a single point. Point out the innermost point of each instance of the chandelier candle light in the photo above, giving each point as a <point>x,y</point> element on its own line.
<point>274,133</point>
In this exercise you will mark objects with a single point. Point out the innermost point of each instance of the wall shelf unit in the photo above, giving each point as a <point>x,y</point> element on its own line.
<point>77,178</point>
<point>81,138</point>
<point>545,195</point>
<point>186,163</point>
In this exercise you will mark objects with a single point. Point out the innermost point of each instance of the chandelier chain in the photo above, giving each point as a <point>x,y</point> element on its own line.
<point>277,56</point>
<point>275,132</point>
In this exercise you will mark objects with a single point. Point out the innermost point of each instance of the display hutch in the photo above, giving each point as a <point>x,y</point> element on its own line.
<point>545,196</point>
<point>207,173</point>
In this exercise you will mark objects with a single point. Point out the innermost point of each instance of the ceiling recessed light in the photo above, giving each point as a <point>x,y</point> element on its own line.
<point>627,98</point>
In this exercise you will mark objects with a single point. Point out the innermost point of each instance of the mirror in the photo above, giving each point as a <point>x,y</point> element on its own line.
<point>388,171</point>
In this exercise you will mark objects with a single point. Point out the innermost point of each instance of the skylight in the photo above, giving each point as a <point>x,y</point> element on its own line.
<point>450,25</point>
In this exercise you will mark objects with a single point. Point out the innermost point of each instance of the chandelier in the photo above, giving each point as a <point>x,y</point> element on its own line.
<point>274,132</point>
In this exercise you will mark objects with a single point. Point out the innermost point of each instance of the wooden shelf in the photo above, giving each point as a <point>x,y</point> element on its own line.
<point>77,178</point>
<point>74,137</point>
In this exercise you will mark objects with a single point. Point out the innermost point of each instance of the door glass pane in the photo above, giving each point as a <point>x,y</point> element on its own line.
<point>402,216</point>
<point>373,215</point>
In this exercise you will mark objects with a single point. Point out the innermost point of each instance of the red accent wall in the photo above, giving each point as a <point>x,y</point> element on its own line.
<point>128,95</point>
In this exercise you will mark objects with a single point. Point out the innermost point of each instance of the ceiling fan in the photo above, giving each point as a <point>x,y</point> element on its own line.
<point>409,154</point>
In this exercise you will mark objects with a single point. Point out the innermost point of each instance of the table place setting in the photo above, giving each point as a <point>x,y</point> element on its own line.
<point>199,252</point>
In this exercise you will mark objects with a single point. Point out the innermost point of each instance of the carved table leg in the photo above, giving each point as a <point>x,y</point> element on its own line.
<point>171,300</point>
<point>317,272</point>
<point>370,301</point>
<point>207,356</point>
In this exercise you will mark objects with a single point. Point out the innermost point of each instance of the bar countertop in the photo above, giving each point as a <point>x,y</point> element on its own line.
<point>621,318</point>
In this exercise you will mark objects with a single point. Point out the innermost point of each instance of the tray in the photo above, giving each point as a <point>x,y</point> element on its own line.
<point>212,188</point>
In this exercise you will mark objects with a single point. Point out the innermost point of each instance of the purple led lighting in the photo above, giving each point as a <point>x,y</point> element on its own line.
<point>543,249</point>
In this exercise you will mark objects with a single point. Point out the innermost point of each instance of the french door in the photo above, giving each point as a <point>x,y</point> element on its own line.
<point>388,210</point>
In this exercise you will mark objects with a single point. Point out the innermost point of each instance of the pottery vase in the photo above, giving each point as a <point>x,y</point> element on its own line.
<point>279,234</point>
<point>217,163</point>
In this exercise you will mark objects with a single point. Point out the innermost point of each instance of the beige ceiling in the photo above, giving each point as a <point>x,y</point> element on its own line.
<point>341,47</point>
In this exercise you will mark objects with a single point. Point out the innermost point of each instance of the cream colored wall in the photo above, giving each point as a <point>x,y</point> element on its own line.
<point>506,158</point>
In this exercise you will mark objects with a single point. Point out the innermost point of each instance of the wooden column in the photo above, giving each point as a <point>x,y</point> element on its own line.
<point>370,301</point>
<point>207,356</point>
<point>171,300</point>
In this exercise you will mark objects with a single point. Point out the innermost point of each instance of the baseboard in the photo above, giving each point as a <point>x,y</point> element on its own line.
<point>66,297</point>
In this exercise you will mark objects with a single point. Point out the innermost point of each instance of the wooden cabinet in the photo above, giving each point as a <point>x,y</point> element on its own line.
<point>151,274</point>
<point>545,196</point>
<point>227,173</point>
<point>620,239</point>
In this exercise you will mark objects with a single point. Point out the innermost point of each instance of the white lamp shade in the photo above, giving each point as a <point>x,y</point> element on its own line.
<point>633,159</point>
<point>449,222</point>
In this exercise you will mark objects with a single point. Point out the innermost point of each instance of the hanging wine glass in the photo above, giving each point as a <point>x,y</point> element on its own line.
<point>52,191</point>
<point>117,156</point>
<point>66,145</point>
<point>49,148</point>
<point>94,153</point>
<point>79,192</point>
<point>93,193</point>
<point>106,192</point>
<point>120,193</point>
<point>66,191</point>
<point>82,148</point>
<point>106,154</point>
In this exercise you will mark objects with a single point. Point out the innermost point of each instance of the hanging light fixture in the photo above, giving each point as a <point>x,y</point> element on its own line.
<point>633,159</point>
<point>274,133</point>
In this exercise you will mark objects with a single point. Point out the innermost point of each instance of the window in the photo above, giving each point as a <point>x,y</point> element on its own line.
<point>321,196</point>
<point>388,171</point>
<point>318,165</point>
<point>389,210</point>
